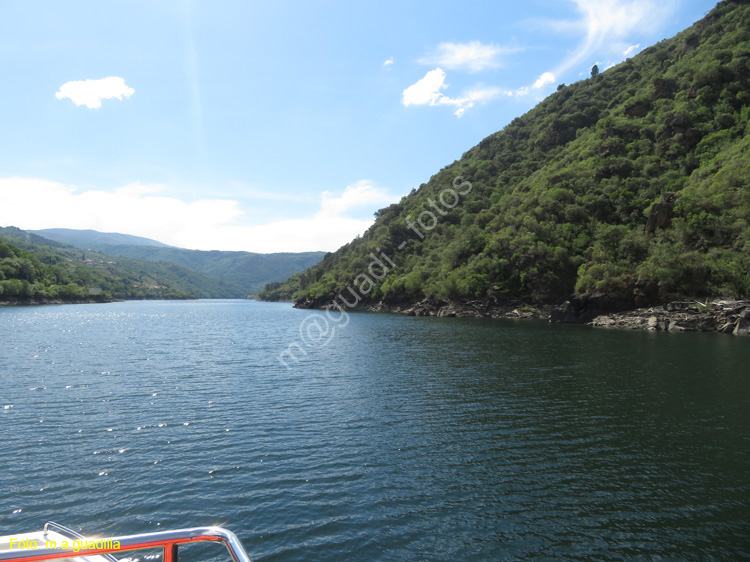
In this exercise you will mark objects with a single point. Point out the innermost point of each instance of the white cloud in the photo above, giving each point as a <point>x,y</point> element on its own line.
<point>541,82</point>
<point>544,79</point>
<point>427,91</point>
<point>91,92</point>
<point>388,62</point>
<point>363,192</point>
<point>207,224</point>
<point>472,56</point>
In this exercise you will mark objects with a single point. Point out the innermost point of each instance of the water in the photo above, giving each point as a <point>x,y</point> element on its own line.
<point>402,439</point>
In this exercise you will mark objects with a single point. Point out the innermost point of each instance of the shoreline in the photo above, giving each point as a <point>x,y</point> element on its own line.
<point>42,302</point>
<point>720,315</point>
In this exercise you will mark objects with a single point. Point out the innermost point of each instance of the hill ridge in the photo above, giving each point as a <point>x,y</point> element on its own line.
<point>91,239</point>
<point>249,270</point>
<point>628,187</point>
<point>32,270</point>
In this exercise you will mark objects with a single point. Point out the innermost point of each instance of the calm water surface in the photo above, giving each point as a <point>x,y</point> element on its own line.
<point>403,439</point>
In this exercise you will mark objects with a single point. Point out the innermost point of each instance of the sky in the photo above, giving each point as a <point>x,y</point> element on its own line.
<point>275,126</point>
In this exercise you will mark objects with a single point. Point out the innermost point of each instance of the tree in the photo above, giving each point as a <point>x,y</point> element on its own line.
<point>562,196</point>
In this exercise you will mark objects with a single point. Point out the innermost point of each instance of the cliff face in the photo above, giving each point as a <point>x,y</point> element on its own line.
<point>621,191</point>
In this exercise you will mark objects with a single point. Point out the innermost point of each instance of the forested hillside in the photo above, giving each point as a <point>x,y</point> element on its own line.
<point>632,184</point>
<point>32,268</point>
<point>248,270</point>
<point>24,277</point>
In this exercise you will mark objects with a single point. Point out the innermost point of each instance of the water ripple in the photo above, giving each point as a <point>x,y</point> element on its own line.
<point>404,439</point>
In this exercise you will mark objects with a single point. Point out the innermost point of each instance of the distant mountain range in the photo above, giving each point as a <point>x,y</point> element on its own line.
<point>248,270</point>
<point>128,266</point>
<point>95,240</point>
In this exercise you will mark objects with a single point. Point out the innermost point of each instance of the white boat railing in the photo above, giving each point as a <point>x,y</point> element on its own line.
<point>63,530</point>
<point>168,540</point>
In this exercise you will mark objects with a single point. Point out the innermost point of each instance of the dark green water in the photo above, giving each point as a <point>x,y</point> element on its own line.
<point>401,439</point>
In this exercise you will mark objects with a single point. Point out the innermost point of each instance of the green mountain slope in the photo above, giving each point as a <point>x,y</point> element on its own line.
<point>93,239</point>
<point>24,277</point>
<point>34,268</point>
<point>632,184</point>
<point>247,270</point>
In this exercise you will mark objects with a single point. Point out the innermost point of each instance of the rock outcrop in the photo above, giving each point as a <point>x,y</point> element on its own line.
<point>480,308</point>
<point>661,213</point>
<point>723,316</point>
<point>727,317</point>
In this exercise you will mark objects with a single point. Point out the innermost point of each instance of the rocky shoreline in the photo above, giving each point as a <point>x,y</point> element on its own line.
<point>726,317</point>
<point>723,316</point>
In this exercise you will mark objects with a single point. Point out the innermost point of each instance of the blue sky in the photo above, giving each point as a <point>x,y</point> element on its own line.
<point>275,126</point>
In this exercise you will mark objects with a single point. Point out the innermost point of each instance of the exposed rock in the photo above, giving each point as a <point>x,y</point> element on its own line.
<point>664,88</point>
<point>447,311</point>
<point>682,316</point>
<point>742,328</point>
<point>637,110</point>
<point>660,214</point>
<point>675,327</point>
<point>686,324</point>
<point>565,314</point>
<point>604,322</point>
<point>312,303</point>
<point>380,307</point>
<point>596,310</point>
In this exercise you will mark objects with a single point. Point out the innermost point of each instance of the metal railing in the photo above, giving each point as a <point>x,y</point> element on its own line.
<point>63,530</point>
<point>168,540</point>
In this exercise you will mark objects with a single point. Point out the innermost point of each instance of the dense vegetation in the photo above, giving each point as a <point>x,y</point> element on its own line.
<point>632,183</point>
<point>24,277</point>
<point>33,268</point>
<point>248,270</point>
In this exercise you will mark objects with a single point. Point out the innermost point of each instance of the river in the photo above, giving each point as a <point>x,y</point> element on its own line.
<point>397,438</point>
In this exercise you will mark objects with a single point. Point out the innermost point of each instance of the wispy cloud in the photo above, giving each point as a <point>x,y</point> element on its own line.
<point>630,51</point>
<point>473,96</point>
<point>360,193</point>
<point>473,56</point>
<point>608,23</point>
<point>389,62</point>
<point>91,92</point>
<point>427,91</point>
<point>606,27</point>
<point>193,82</point>
<point>207,224</point>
